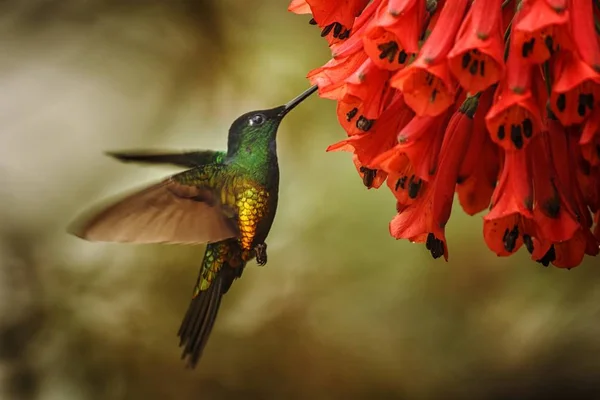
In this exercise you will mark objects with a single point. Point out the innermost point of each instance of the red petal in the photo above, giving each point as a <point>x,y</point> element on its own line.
<point>555,219</point>
<point>477,58</point>
<point>575,90</point>
<point>590,139</point>
<point>331,77</point>
<point>584,33</point>
<point>427,83</point>
<point>513,119</point>
<point>299,7</point>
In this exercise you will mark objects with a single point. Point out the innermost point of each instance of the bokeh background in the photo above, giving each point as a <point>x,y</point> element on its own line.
<point>341,311</point>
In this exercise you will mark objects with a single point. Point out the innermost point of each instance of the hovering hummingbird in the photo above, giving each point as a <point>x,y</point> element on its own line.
<point>226,199</point>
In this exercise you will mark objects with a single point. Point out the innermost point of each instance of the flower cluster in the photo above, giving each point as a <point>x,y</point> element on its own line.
<point>498,101</point>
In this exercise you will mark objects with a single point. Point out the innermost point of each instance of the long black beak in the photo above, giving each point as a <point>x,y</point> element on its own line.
<point>299,99</point>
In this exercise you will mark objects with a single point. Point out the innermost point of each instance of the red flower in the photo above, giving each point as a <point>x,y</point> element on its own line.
<point>554,216</point>
<point>590,139</point>
<point>477,58</point>
<point>381,137</point>
<point>481,164</point>
<point>427,84</point>
<point>510,222</point>
<point>526,141</point>
<point>393,34</point>
<point>583,31</point>
<point>332,76</point>
<point>335,17</point>
<point>575,90</point>
<point>539,30</point>
<point>514,117</point>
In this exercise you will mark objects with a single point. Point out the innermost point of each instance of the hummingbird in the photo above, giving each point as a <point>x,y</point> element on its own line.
<point>225,199</point>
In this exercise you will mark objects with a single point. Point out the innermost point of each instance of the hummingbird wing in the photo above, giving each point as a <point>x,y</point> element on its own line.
<point>189,159</point>
<point>171,211</point>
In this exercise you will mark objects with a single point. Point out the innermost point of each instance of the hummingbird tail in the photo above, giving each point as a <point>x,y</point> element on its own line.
<point>200,317</point>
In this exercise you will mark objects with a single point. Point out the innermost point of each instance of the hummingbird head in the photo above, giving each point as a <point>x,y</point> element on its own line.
<point>256,130</point>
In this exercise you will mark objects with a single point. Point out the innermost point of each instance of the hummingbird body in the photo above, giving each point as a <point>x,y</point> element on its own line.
<point>227,200</point>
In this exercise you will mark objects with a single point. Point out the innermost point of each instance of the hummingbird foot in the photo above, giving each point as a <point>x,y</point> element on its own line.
<point>261,254</point>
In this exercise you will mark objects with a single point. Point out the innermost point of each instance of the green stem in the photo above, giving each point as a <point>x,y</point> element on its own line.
<point>469,106</point>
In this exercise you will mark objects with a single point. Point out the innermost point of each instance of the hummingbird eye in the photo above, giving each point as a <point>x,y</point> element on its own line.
<point>256,120</point>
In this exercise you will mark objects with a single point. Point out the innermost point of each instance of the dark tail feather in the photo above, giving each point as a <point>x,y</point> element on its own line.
<point>200,318</point>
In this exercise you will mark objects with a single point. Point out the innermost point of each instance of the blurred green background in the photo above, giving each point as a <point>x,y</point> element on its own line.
<point>341,311</point>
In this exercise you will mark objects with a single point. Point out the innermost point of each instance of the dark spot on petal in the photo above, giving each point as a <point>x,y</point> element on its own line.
<point>515,136</point>
<point>561,102</point>
<point>312,21</point>
<point>402,57</point>
<point>327,29</point>
<point>548,257</point>
<point>590,101</point>
<point>429,78</point>
<point>414,185</point>
<point>581,110</point>
<point>473,68</point>
<point>527,128</point>
<point>466,60</point>
<point>337,29</point>
<point>344,35</point>
<point>434,93</point>
<point>528,243</point>
<point>368,176</point>
<point>388,50</point>
<point>364,124</point>
<point>528,48</point>
<point>351,114</point>
<point>400,183</point>
<point>549,42</point>
<point>510,238</point>
<point>552,205</point>
<point>460,179</point>
<point>501,134</point>
<point>435,246</point>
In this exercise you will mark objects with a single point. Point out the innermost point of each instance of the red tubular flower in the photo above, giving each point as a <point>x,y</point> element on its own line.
<point>424,220</point>
<point>590,139</point>
<point>334,17</point>
<point>381,137</point>
<point>332,76</point>
<point>479,169</point>
<point>427,83</point>
<point>368,84</point>
<point>576,89</point>
<point>477,58</point>
<point>510,221</point>
<point>454,147</point>
<point>393,35</point>
<point>530,72</point>
<point>584,34</point>
<point>421,140</point>
<point>299,7</point>
<point>555,218</point>
<point>354,42</point>
<point>402,181</point>
<point>539,30</point>
<point>372,178</point>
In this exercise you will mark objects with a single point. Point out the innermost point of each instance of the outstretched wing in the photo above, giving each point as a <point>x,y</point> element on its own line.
<point>168,212</point>
<point>188,159</point>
